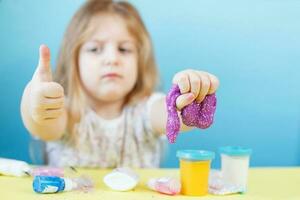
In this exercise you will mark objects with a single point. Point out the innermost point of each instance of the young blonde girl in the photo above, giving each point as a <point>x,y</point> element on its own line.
<point>100,110</point>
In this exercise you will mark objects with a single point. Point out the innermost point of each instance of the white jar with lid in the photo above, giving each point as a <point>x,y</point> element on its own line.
<point>235,165</point>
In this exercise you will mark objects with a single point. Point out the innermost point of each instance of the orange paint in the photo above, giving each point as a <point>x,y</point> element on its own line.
<point>194,177</point>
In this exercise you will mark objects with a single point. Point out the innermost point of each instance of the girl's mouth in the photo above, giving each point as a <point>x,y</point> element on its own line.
<point>111,76</point>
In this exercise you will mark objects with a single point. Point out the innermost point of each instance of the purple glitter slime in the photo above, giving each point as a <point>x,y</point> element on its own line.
<point>199,115</point>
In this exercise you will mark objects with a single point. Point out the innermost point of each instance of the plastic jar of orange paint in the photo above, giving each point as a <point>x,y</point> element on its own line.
<point>194,171</point>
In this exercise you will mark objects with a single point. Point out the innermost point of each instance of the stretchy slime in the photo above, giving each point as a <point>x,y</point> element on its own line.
<point>198,115</point>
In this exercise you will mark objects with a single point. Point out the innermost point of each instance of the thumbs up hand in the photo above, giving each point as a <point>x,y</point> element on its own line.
<point>46,98</point>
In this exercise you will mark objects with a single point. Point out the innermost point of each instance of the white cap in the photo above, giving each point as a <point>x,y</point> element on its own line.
<point>13,167</point>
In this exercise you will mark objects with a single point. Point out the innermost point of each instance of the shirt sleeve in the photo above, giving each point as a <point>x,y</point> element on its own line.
<point>147,122</point>
<point>140,116</point>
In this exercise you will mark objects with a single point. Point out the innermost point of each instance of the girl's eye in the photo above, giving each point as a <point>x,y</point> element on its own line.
<point>124,50</point>
<point>95,49</point>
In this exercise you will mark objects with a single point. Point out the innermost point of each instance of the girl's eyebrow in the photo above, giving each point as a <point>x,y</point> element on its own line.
<point>96,41</point>
<point>130,42</point>
<point>121,41</point>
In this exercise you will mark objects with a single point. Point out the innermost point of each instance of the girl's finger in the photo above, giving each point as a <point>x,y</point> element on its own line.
<point>205,85</point>
<point>56,103</point>
<point>52,90</point>
<point>184,100</point>
<point>214,84</point>
<point>195,83</point>
<point>182,80</point>
<point>52,113</point>
<point>43,72</point>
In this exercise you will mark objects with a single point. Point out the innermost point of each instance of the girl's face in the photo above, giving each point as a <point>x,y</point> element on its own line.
<point>108,63</point>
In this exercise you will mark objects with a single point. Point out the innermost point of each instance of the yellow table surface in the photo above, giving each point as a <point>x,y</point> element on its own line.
<point>264,183</point>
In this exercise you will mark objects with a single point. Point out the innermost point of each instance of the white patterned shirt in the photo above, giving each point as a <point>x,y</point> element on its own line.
<point>126,141</point>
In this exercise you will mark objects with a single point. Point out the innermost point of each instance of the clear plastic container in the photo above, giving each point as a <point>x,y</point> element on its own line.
<point>235,165</point>
<point>194,171</point>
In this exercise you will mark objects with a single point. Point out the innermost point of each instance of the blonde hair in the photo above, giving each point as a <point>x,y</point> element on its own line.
<point>78,31</point>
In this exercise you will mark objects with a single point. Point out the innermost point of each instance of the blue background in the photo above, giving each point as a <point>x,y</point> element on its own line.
<point>252,46</point>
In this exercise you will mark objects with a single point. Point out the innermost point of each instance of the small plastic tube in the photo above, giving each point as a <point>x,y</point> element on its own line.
<point>47,171</point>
<point>54,184</point>
<point>165,185</point>
<point>11,167</point>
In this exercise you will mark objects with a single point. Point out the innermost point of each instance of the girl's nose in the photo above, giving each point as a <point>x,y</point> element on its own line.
<point>110,56</point>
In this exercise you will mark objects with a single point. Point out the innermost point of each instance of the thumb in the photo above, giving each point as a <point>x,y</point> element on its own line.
<point>184,100</point>
<point>43,71</point>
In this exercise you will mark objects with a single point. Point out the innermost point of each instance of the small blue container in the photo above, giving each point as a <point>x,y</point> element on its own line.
<point>48,184</point>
